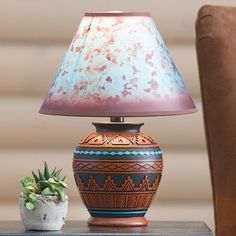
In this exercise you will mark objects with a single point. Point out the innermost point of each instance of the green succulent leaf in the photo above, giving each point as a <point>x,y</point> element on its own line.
<point>53,172</point>
<point>61,194</point>
<point>30,187</point>
<point>46,171</point>
<point>39,187</point>
<point>44,184</point>
<point>35,177</point>
<point>26,181</point>
<point>29,205</point>
<point>63,184</point>
<point>32,197</point>
<point>26,192</point>
<point>41,177</point>
<point>57,173</point>
<point>53,187</point>
<point>47,192</point>
<point>52,181</point>
<point>64,178</point>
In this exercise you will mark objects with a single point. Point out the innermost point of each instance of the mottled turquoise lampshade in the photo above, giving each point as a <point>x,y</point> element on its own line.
<point>117,65</point>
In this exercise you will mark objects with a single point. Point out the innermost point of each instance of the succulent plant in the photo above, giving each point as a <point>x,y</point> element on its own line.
<point>46,183</point>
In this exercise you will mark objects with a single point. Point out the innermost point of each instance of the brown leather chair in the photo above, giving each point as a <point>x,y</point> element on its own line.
<point>216,50</point>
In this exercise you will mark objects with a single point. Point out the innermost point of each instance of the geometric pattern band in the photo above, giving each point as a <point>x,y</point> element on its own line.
<point>112,201</point>
<point>119,153</point>
<point>110,185</point>
<point>112,166</point>
<point>114,197</point>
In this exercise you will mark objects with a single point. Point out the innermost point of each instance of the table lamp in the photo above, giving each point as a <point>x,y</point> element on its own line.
<point>117,66</point>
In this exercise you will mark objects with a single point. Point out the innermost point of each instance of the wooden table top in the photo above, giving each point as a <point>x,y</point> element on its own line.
<point>154,228</point>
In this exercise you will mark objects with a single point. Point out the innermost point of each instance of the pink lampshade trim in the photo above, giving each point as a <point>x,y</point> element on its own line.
<point>114,14</point>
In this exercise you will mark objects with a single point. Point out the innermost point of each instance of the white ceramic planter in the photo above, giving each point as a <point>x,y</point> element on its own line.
<point>49,213</point>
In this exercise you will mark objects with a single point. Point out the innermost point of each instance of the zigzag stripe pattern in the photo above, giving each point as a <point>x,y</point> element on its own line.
<point>119,153</point>
<point>117,201</point>
<point>117,139</point>
<point>113,166</point>
<point>110,185</point>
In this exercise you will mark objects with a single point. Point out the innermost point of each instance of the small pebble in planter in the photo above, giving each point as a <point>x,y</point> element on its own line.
<point>43,203</point>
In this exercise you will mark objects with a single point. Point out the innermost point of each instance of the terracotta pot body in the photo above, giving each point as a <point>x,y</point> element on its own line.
<point>117,171</point>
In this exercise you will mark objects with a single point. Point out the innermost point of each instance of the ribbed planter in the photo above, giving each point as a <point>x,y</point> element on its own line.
<point>49,213</point>
<point>117,171</point>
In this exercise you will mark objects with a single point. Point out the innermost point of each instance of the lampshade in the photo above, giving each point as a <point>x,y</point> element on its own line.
<point>117,65</point>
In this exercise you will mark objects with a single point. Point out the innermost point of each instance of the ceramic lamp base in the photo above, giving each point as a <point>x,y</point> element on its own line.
<point>117,171</point>
<point>105,221</point>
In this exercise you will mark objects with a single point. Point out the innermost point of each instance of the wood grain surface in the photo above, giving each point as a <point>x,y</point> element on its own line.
<point>155,228</point>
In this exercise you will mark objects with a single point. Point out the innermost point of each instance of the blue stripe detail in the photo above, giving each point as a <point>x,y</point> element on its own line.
<point>117,212</point>
<point>120,153</point>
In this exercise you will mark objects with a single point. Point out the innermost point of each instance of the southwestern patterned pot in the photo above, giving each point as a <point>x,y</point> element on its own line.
<point>117,171</point>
